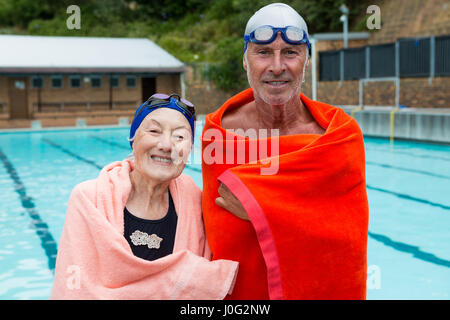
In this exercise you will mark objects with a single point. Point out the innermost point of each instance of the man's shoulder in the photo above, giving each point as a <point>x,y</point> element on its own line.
<point>234,103</point>
<point>232,118</point>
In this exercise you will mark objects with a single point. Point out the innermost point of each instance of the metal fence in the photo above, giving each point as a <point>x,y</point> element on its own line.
<point>329,66</point>
<point>355,62</point>
<point>381,60</point>
<point>442,54</point>
<point>411,57</point>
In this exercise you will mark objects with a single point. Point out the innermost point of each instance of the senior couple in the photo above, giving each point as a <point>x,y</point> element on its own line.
<point>144,230</point>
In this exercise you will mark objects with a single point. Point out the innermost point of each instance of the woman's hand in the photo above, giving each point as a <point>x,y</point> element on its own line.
<point>229,202</point>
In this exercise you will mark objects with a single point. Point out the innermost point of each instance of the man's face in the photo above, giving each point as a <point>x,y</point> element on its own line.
<point>275,71</point>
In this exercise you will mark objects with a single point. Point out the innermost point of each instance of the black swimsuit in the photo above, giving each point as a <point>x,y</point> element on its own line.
<point>144,236</point>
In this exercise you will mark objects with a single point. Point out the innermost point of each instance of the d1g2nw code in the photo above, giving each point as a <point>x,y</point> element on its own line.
<point>245,309</point>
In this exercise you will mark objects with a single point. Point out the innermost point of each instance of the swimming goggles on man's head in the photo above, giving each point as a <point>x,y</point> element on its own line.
<point>267,34</point>
<point>161,99</point>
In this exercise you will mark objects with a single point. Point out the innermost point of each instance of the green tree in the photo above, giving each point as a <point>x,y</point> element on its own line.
<point>192,30</point>
<point>164,10</point>
<point>21,12</point>
<point>228,72</point>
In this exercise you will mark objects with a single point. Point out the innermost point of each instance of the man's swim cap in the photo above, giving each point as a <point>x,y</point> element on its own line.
<point>278,15</point>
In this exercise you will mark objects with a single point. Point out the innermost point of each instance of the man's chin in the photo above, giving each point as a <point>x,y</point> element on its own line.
<point>276,98</point>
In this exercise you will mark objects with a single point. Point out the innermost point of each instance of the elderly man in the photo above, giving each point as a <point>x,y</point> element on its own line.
<point>300,232</point>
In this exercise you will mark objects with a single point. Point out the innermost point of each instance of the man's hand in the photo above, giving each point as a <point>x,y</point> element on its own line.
<point>229,202</point>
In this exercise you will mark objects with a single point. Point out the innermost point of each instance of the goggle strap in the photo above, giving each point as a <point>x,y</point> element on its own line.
<point>161,102</point>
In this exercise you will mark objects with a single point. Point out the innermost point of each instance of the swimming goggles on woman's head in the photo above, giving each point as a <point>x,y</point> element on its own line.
<point>161,99</point>
<point>267,34</point>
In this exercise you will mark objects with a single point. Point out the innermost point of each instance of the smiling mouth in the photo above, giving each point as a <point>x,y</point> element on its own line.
<point>162,159</point>
<point>276,83</point>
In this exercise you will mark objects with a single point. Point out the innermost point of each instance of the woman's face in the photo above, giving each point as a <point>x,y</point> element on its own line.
<point>162,144</point>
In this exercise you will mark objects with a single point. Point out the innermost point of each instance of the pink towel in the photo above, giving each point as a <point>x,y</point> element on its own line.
<point>95,260</point>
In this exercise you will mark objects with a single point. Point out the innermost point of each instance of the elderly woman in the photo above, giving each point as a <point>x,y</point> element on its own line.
<point>136,232</point>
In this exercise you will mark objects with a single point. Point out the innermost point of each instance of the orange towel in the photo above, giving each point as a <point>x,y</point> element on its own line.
<point>307,238</point>
<point>95,260</point>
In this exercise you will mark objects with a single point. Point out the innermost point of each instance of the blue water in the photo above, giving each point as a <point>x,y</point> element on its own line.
<point>408,190</point>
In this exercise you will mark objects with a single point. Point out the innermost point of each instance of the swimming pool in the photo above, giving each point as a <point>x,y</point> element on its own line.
<point>408,189</point>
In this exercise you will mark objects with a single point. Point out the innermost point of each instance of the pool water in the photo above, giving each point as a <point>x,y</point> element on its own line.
<point>408,188</point>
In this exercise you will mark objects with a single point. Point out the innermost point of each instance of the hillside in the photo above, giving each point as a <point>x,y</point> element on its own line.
<point>192,30</point>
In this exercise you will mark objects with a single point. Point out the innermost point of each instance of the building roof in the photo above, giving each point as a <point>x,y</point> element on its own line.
<point>44,54</point>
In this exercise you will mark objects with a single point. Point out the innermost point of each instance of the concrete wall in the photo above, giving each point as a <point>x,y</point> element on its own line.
<point>168,84</point>
<point>4,97</point>
<point>408,124</point>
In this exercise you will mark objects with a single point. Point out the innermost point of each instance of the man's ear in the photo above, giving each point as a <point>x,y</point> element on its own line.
<point>244,63</point>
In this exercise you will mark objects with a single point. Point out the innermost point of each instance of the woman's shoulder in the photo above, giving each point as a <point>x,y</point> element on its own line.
<point>113,175</point>
<point>86,189</point>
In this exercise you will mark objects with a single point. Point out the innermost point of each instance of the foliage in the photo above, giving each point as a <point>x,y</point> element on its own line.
<point>228,72</point>
<point>192,30</point>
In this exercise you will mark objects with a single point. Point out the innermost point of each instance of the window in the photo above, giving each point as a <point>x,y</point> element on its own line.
<point>57,82</point>
<point>115,83</point>
<point>75,82</point>
<point>37,82</point>
<point>96,81</point>
<point>131,81</point>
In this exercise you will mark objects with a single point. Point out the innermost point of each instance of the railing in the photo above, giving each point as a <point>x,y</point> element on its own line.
<point>411,57</point>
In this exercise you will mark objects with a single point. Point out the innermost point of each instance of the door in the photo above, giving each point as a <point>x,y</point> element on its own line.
<point>148,88</point>
<point>18,98</point>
